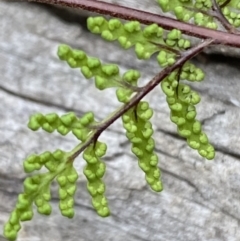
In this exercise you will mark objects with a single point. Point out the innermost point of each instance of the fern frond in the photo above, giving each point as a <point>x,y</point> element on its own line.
<point>170,47</point>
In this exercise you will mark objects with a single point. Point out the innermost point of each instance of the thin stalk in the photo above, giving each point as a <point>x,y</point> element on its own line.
<point>219,15</point>
<point>187,55</point>
<point>219,37</point>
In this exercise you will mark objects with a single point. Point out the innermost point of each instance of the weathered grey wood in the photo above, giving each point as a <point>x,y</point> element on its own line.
<point>201,198</point>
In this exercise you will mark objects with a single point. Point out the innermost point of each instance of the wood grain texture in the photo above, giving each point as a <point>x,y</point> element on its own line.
<point>201,199</point>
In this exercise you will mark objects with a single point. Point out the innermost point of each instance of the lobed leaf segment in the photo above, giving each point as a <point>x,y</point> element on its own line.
<point>152,39</point>
<point>105,75</point>
<point>139,132</point>
<point>200,11</point>
<point>80,127</point>
<point>94,171</point>
<point>181,100</point>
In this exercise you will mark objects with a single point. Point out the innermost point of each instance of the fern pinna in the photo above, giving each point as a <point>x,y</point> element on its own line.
<point>172,52</point>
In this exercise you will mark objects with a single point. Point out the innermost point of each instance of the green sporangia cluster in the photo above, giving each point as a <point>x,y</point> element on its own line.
<point>199,11</point>
<point>181,100</point>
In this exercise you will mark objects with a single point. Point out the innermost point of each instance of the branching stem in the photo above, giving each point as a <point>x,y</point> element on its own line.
<point>219,15</point>
<point>187,55</point>
<point>219,37</point>
<point>167,48</point>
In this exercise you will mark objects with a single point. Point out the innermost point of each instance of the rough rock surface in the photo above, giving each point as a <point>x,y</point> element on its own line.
<point>201,199</point>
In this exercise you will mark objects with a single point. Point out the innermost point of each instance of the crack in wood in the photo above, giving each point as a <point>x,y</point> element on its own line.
<point>39,101</point>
